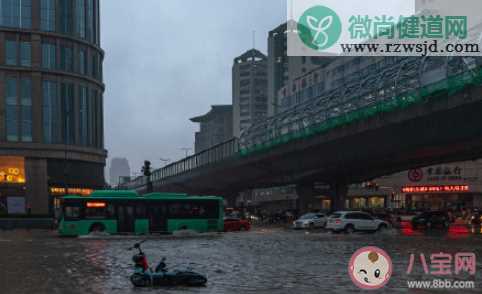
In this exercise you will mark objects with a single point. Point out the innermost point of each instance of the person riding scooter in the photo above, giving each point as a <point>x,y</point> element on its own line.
<point>143,276</point>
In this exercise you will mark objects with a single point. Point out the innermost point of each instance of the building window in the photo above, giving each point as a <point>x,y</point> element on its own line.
<point>47,15</point>
<point>6,12</point>
<point>98,120</point>
<point>25,14</point>
<point>96,23</point>
<point>100,111</point>
<point>90,20</point>
<point>26,109</point>
<point>66,59</point>
<point>65,7</point>
<point>95,66</point>
<point>51,113</point>
<point>90,119</point>
<point>80,18</point>
<point>49,54</point>
<point>83,116</point>
<point>11,113</point>
<point>25,54</point>
<point>94,119</point>
<point>67,91</point>
<point>82,62</point>
<point>16,13</point>
<point>10,52</point>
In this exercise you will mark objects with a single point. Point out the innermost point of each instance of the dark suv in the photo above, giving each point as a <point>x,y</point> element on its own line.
<point>431,219</point>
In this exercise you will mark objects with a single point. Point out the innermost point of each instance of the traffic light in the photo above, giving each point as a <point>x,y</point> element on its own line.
<point>146,169</point>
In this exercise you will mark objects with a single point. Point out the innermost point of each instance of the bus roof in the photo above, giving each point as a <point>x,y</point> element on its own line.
<point>164,195</point>
<point>114,193</point>
<point>130,194</point>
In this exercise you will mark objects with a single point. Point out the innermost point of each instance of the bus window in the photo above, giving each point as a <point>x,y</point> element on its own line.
<point>99,212</point>
<point>141,211</point>
<point>175,210</point>
<point>72,212</point>
<point>196,209</point>
<point>211,208</point>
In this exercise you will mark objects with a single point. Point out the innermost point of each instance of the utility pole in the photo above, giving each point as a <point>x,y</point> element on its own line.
<point>254,39</point>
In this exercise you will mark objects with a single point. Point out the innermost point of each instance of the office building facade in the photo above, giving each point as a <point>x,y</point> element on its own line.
<point>250,86</point>
<point>215,127</point>
<point>119,170</point>
<point>51,103</point>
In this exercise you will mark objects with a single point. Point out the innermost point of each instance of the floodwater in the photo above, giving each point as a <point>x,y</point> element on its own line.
<point>260,261</point>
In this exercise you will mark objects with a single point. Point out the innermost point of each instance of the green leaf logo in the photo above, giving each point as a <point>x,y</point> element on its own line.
<point>319,27</point>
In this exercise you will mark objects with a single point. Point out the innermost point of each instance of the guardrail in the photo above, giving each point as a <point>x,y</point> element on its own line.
<point>215,154</point>
<point>204,158</point>
<point>134,184</point>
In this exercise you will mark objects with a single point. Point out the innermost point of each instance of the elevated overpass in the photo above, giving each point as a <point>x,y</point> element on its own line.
<point>411,113</point>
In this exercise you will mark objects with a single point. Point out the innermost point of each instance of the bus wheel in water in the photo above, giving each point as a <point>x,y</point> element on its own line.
<point>97,227</point>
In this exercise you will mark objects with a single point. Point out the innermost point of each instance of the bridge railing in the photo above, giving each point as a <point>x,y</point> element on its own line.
<point>363,94</point>
<point>204,158</point>
<point>134,184</point>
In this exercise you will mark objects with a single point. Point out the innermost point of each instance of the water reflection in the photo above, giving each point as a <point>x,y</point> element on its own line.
<point>261,261</point>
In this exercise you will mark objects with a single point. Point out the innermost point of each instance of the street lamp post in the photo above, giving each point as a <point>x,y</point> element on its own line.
<point>186,150</point>
<point>165,161</point>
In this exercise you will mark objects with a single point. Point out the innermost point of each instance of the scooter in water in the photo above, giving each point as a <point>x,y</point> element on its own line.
<point>144,276</point>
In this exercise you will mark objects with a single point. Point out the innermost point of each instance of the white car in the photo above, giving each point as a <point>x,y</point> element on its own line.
<point>310,221</point>
<point>350,221</point>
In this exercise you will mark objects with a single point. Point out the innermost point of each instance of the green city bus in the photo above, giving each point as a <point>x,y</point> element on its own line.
<point>128,212</point>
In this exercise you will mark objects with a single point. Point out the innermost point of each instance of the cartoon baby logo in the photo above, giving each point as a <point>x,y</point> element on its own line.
<point>370,268</point>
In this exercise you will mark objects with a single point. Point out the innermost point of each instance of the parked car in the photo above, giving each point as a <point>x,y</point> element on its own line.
<point>350,221</point>
<point>310,221</point>
<point>236,224</point>
<point>430,219</point>
<point>391,219</point>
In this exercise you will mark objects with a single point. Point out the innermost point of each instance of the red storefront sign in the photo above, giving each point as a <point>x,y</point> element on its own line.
<point>435,189</point>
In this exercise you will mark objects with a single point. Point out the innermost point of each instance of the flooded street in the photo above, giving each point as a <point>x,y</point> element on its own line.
<point>259,261</point>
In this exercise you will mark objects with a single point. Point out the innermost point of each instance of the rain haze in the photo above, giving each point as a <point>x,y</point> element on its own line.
<point>168,61</point>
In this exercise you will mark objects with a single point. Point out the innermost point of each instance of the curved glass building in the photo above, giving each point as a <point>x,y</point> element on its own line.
<point>51,103</point>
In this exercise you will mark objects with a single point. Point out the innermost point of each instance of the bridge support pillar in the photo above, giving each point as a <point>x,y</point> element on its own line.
<point>306,197</point>
<point>339,193</point>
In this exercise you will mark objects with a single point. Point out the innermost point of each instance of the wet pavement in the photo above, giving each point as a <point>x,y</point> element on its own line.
<point>271,260</point>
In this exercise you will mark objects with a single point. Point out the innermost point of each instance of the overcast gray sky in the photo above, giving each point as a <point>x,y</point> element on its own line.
<point>169,60</point>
